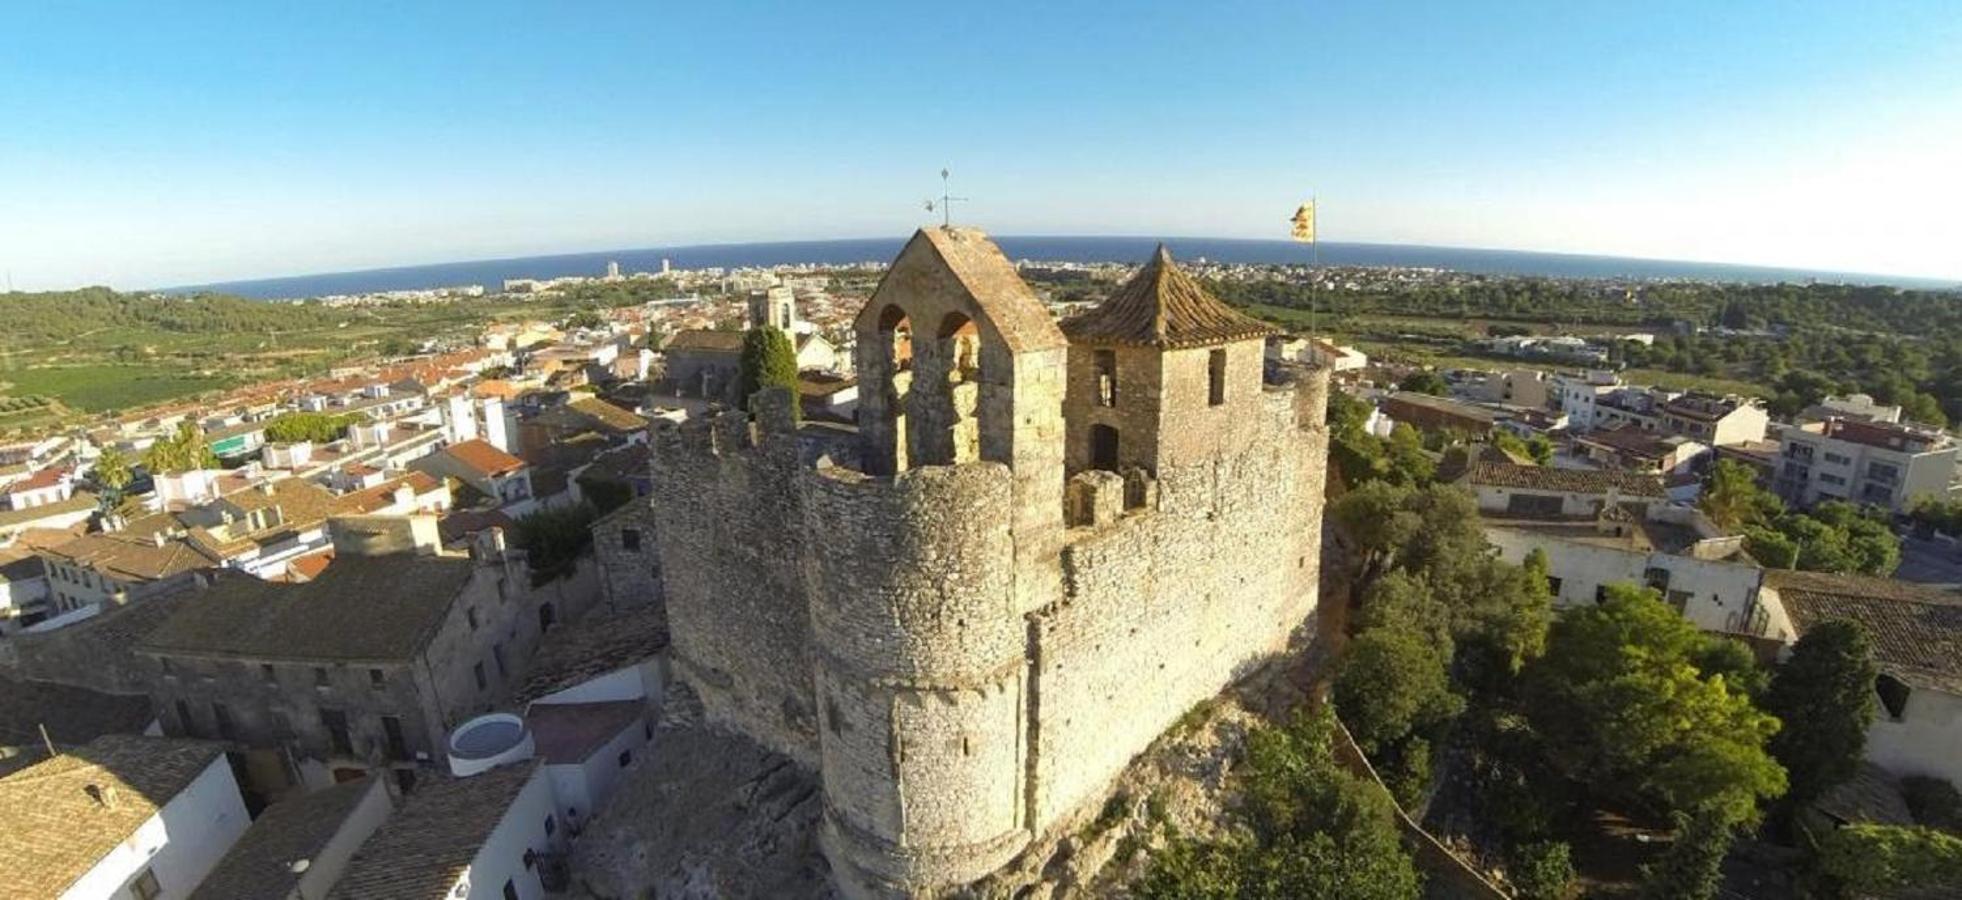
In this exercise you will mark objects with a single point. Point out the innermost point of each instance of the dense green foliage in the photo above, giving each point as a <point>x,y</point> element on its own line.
<point>1424,381</point>
<point>1362,457</point>
<point>768,360</point>
<point>1865,860</point>
<point>1824,695</point>
<point>319,428</point>
<point>61,315</point>
<point>1833,536</point>
<point>1392,682</point>
<point>1624,709</point>
<point>1308,830</point>
<point>1543,870</point>
<point>1693,867</point>
<point>182,452</point>
<point>554,539</point>
<point>1934,514</point>
<point>113,470</point>
<point>1803,341</point>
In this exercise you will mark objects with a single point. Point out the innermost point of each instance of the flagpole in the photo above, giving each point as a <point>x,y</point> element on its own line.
<point>1314,269</point>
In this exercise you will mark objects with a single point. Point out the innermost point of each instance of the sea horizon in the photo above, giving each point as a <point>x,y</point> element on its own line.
<point>491,273</point>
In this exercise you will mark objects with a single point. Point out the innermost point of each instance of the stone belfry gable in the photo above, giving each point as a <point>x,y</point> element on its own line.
<point>1163,307</point>
<point>961,270</point>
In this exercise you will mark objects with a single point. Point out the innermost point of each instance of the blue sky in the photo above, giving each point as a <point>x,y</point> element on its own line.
<point>143,146</point>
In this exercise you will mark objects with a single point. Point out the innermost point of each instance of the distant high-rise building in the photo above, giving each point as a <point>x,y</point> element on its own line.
<point>612,268</point>
<point>665,266</point>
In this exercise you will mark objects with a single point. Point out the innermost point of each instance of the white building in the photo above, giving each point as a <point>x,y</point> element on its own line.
<point>1851,406</point>
<point>1916,631</point>
<point>1578,394</point>
<point>121,817</point>
<point>44,488</point>
<point>1334,357</point>
<point>1879,463</point>
<point>1600,528</point>
<point>489,836</point>
<point>299,847</point>
<point>1514,387</point>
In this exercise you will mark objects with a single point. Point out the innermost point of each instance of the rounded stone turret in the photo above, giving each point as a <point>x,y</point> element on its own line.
<point>920,672</point>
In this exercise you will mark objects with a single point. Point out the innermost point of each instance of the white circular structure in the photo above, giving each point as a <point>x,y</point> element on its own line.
<point>488,741</point>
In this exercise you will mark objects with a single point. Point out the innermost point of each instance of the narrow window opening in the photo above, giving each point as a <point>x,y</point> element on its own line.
<point>1106,377</point>
<point>1216,378</point>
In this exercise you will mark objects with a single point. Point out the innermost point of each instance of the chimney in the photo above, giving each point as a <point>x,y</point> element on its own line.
<point>104,797</point>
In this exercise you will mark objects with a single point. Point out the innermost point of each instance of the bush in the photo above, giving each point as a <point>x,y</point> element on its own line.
<point>554,539</point>
<point>1310,831</point>
<point>1693,867</point>
<point>1392,682</point>
<point>1407,772</point>
<point>1872,859</point>
<point>1542,871</point>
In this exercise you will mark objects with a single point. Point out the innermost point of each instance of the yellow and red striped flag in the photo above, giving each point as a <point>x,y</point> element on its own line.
<point>1304,222</point>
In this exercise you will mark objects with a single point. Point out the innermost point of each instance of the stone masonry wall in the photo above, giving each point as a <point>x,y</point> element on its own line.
<point>878,629</point>
<point>1165,607</point>
<point>920,660</point>
<point>730,527</point>
<point>629,561</point>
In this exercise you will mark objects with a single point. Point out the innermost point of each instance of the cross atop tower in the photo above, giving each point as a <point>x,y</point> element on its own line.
<point>946,201</point>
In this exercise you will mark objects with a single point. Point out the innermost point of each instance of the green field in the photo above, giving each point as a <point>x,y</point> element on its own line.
<point>109,386</point>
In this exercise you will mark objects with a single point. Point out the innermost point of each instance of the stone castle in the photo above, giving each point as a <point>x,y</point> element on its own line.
<point>1041,547</point>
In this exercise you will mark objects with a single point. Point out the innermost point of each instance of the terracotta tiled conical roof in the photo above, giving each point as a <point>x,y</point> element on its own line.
<point>1163,307</point>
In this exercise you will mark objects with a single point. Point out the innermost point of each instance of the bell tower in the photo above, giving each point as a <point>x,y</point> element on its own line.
<point>1161,374</point>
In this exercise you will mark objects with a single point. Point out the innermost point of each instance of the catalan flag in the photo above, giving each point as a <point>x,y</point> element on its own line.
<point>1304,222</point>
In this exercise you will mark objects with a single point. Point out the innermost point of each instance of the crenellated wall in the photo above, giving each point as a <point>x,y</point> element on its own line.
<point>916,621</point>
<point>872,627</point>
<point>729,524</point>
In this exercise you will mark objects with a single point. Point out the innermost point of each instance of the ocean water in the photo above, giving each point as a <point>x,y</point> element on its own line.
<point>492,273</point>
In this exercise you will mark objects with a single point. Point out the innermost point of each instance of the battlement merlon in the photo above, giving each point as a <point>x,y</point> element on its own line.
<point>720,431</point>
<point>1310,384</point>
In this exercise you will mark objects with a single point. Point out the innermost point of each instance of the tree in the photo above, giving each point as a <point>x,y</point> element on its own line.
<point>1868,860</point>
<point>1624,708</point>
<point>1392,683</point>
<point>1308,829</point>
<point>1424,381</point>
<point>1732,499</point>
<point>1375,516</point>
<point>554,539</point>
<point>1692,869</point>
<point>1540,448</point>
<point>112,469</point>
<point>183,452</point>
<point>1543,870</point>
<point>1407,462</point>
<point>768,360</point>
<point>1824,694</point>
<point>319,428</point>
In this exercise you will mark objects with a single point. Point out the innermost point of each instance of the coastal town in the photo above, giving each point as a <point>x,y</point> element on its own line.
<point>473,620</point>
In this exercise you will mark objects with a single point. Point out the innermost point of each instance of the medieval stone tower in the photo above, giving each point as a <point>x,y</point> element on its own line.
<point>1043,547</point>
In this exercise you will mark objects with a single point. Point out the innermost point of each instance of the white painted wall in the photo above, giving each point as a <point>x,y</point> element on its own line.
<point>326,866</point>
<point>180,843</point>
<point>641,681</point>
<point>583,788</point>
<point>1720,592</point>
<point>502,858</point>
<point>1926,740</point>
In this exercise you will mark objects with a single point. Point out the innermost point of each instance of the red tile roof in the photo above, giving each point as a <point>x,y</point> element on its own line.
<point>484,457</point>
